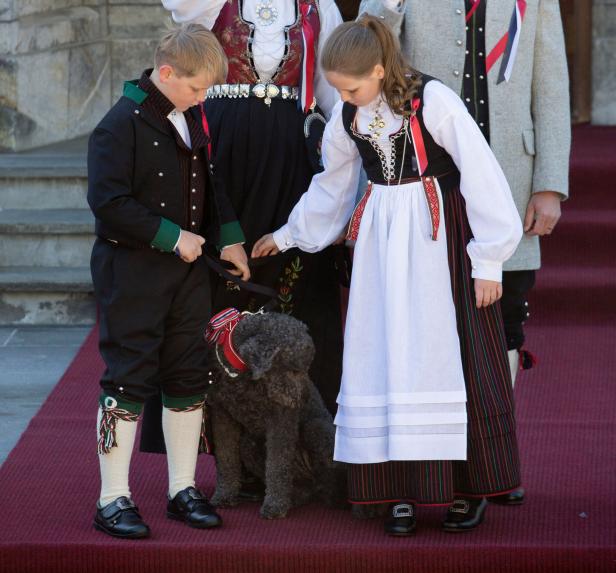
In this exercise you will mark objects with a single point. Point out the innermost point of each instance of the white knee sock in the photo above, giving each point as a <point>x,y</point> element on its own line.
<point>182,432</point>
<point>514,364</point>
<point>114,466</point>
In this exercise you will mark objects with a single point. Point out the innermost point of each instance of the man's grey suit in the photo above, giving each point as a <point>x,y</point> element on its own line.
<point>530,131</point>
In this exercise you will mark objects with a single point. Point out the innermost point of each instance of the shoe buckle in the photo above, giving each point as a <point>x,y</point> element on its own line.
<point>402,510</point>
<point>460,506</point>
<point>195,494</point>
<point>124,503</point>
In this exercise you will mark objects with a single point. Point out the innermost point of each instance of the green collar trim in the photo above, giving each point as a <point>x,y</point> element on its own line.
<point>134,92</point>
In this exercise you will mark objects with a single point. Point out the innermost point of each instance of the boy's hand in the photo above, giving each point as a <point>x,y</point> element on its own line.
<point>237,255</point>
<point>265,246</point>
<point>487,292</point>
<point>189,246</point>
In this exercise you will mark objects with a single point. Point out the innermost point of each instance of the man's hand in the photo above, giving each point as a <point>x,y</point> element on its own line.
<point>542,213</point>
<point>237,255</point>
<point>265,246</point>
<point>189,246</point>
<point>487,292</point>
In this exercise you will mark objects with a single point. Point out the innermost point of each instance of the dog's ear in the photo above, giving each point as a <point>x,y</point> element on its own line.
<point>286,390</point>
<point>258,352</point>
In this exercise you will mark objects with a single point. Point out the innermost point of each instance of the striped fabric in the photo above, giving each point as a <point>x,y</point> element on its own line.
<point>492,466</point>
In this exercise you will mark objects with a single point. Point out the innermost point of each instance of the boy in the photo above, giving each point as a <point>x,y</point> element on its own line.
<point>150,188</point>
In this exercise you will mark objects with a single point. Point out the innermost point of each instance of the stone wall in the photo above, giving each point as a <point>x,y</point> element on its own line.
<point>62,63</point>
<point>604,62</point>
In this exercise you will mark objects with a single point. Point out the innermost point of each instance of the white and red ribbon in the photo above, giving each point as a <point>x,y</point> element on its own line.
<point>306,85</point>
<point>473,9</point>
<point>417,137</point>
<point>206,129</point>
<point>507,46</point>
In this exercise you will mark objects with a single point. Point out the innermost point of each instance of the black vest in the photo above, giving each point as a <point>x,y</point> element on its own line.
<point>439,161</point>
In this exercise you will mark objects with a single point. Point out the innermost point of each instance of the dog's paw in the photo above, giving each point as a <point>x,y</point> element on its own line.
<point>222,499</point>
<point>273,510</point>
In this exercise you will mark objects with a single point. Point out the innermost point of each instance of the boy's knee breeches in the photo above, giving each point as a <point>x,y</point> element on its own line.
<point>153,311</point>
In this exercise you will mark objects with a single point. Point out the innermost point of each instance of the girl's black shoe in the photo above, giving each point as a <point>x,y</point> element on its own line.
<point>402,521</point>
<point>465,514</point>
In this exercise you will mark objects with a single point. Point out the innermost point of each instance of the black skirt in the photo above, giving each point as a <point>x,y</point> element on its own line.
<point>260,159</point>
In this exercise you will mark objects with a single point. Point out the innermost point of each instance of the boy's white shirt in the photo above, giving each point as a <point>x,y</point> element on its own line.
<point>268,45</point>
<point>179,122</point>
<point>324,210</point>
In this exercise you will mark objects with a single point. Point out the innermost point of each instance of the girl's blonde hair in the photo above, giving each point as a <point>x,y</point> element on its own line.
<point>190,49</point>
<point>354,48</point>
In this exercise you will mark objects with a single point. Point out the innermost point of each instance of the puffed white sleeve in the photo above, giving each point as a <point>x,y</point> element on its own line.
<point>325,208</point>
<point>204,12</point>
<point>491,212</point>
<point>330,19</point>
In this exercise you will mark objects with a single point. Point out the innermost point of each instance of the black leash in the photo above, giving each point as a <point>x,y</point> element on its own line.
<point>221,268</point>
<point>343,263</point>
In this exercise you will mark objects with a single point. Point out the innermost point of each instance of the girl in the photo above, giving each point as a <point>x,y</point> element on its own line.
<point>425,410</point>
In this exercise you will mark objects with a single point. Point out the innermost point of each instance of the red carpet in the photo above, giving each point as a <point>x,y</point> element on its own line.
<point>567,425</point>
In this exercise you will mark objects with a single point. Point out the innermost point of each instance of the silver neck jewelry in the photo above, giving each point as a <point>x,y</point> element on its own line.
<point>266,13</point>
<point>377,123</point>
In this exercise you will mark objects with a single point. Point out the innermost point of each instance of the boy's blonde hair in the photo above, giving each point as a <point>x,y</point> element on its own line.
<point>190,49</point>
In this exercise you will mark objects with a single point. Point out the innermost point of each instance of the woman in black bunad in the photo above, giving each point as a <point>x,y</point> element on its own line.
<point>264,161</point>
<point>262,157</point>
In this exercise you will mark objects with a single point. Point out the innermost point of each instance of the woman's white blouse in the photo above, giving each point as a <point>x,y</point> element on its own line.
<point>324,210</point>
<point>269,41</point>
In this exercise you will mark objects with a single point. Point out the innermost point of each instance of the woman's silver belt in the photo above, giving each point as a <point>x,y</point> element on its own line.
<point>267,92</point>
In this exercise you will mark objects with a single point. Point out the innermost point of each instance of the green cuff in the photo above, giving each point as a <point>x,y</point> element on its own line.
<point>230,234</point>
<point>167,236</point>
<point>107,401</point>
<point>182,402</point>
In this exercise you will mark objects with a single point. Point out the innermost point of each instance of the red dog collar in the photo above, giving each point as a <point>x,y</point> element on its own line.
<point>220,332</point>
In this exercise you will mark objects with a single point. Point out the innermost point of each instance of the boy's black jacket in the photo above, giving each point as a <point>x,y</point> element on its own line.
<point>127,152</point>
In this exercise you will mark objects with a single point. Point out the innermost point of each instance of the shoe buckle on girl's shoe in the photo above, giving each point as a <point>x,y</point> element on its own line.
<point>460,506</point>
<point>402,510</point>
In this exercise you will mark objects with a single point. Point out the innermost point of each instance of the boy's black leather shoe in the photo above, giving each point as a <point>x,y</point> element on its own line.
<point>402,520</point>
<point>121,518</point>
<point>515,497</point>
<point>192,507</point>
<point>465,514</point>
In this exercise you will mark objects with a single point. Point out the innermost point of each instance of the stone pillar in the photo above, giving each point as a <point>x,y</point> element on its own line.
<point>604,62</point>
<point>62,63</point>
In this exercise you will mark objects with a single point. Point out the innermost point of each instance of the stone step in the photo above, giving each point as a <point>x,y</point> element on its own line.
<point>46,237</point>
<point>52,221</point>
<point>52,177</point>
<point>46,295</point>
<point>45,279</point>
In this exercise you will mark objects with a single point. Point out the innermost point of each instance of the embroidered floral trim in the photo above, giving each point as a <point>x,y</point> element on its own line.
<point>433,204</point>
<point>288,279</point>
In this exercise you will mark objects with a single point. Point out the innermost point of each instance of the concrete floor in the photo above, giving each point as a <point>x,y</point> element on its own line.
<point>32,361</point>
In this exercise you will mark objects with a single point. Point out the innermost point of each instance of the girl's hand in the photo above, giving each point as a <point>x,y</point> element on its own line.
<point>265,246</point>
<point>487,292</point>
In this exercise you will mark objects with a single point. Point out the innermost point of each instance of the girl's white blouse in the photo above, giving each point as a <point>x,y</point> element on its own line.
<point>325,209</point>
<point>268,44</point>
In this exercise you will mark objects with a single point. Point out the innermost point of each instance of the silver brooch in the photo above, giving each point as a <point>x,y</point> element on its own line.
<point>266,13</point>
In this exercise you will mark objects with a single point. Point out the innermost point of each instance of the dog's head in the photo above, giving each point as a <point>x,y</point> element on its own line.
<point>273,341</point>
